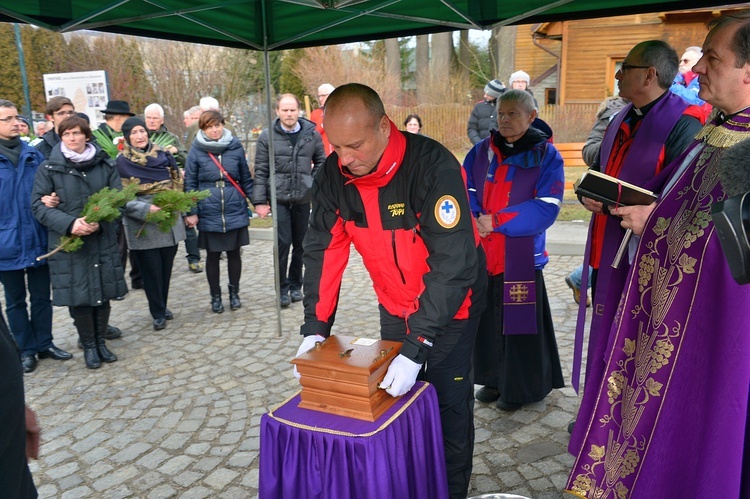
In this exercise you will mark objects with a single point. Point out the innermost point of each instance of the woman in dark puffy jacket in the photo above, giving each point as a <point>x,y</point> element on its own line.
<point>84,280</point>
<point>222,219</point>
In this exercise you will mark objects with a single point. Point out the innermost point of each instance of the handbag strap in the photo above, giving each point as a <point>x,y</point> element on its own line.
<point>227,175</point>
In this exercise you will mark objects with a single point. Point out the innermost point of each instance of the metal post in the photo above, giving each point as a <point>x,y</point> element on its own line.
<point>272,169</point>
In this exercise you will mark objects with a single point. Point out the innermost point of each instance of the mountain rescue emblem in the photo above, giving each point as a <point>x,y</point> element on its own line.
<point>447,212</point>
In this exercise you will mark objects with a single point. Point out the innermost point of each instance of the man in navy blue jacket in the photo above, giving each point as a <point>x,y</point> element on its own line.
<point>22,239</point>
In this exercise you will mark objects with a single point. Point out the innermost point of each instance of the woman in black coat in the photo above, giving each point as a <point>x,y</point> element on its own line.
<point>84,280</point>
<point>222,219</point>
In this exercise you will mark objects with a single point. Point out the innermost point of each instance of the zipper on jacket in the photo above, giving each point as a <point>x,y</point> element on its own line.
<point>395,255</point>
<point>223,220</point>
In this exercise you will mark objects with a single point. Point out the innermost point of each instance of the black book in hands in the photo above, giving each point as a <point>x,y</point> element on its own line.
<point>611,191</point>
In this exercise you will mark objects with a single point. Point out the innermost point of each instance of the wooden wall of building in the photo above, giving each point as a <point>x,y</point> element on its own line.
<point>530,58</point>
<point>589,49</point>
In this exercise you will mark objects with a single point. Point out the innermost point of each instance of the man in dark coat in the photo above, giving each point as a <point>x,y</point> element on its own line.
<point>19,439</point>
<point>299,152</point>
<point>58,109</point>
<point>482,118</point>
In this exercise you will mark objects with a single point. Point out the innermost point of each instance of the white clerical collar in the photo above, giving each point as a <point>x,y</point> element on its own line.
<point>638,111</point>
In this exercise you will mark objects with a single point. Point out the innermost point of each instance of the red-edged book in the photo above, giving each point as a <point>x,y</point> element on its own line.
<point>611,191</point>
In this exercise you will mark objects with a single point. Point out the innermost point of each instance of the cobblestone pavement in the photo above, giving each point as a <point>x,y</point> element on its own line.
<point>179,414</point>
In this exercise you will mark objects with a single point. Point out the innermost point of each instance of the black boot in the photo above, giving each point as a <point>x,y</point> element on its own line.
<point>234,297</point>
<point>101,317</point>
<point>216,305</point>
<point>83,318</point>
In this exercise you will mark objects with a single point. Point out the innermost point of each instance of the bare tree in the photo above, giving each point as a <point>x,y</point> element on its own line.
<point>443,54</point>
<point>422,57</point>
<point>182,73</point>
<point>393,60</point>
<point>336,65</point>
<point>504,42</point>
<point>464,56</point>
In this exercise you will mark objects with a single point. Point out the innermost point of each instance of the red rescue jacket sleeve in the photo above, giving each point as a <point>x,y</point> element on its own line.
<point>447,228</point>
<point>326,254</point>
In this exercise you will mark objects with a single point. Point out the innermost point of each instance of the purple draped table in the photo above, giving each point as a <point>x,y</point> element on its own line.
<point>311,454</point>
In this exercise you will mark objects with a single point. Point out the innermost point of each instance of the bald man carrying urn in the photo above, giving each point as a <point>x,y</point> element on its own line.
<point>401,200</point>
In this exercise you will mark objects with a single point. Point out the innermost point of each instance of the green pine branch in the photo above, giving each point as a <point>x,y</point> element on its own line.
<point>172,203</point>
<point>102,206</point>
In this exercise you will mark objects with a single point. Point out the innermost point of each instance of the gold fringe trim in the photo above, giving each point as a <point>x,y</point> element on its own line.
<point>722,137</point>
<point>346,433</point>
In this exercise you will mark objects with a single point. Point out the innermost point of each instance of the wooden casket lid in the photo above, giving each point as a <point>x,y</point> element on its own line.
<point>349,354</point>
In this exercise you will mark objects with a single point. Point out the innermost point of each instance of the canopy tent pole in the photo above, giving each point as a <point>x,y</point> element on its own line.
<point>272,170</point>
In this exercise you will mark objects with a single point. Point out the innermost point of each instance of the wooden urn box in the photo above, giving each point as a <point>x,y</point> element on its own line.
<point>341,376</point>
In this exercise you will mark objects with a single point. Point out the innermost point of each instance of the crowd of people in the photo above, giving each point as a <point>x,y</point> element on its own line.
<point>455,251</point>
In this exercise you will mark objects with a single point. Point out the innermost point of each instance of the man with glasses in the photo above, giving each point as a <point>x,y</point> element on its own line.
<point>643,138</point>
<point>317,115</point>
<point>22,239</point>
<point>686,82</point>
<point>671,417</point>
<point>58,108</point>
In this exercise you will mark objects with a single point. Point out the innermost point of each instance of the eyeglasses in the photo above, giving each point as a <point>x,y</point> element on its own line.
<point>65,113</point>
<point>72,134</point>
<point>10,119</point>
<point>625,67</point>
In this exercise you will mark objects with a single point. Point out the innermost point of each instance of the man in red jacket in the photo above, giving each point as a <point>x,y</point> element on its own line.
<point>400,198</point>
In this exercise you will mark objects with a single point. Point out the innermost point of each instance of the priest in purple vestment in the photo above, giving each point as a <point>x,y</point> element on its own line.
<point>642,139</point>
<point>671,416</point>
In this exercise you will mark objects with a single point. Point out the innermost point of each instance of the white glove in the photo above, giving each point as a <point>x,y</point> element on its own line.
<point>306,345</point>
<point>401,376</point>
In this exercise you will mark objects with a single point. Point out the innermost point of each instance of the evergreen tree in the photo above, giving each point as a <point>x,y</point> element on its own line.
<point>289,82</point>
<point>11,85</point>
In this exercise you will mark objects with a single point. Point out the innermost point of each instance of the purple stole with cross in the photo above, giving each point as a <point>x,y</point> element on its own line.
<point>519,289</point>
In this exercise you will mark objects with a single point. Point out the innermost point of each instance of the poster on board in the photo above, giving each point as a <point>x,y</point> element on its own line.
<point>86,89</point>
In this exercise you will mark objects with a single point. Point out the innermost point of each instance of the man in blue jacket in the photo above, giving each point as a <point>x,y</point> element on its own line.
<point>22,239</point>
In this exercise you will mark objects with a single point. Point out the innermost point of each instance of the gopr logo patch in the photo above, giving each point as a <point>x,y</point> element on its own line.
<point>447,212</point>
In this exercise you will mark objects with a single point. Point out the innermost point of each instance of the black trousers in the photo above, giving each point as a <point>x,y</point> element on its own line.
<point>292,220</point>
<point>122,244</point>
<point>15,477</point>
<point>448,369</point>
<point>156,272</point>
<point>523,367</point>
<point>31,326</point>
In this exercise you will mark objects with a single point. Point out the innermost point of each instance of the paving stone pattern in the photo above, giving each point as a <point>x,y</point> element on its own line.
<point>179,414</point>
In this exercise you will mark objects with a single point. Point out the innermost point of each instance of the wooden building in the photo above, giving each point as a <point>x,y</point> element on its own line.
<point>574,62</point>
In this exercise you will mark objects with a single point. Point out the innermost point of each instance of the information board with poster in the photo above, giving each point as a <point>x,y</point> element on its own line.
<point>87,90</point>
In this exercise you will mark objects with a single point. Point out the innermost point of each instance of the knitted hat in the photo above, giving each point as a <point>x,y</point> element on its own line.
<point>131,123</point>
<point>25,120</point>
<point>494,88</point>
<point>520,75</point>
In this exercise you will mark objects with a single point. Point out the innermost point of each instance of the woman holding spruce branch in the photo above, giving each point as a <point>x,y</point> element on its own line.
<point>217,162</point>
<point>84,279</point>
<point>153,248</point>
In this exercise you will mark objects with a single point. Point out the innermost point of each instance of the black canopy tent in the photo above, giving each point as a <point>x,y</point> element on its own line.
<point>267,25</point>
